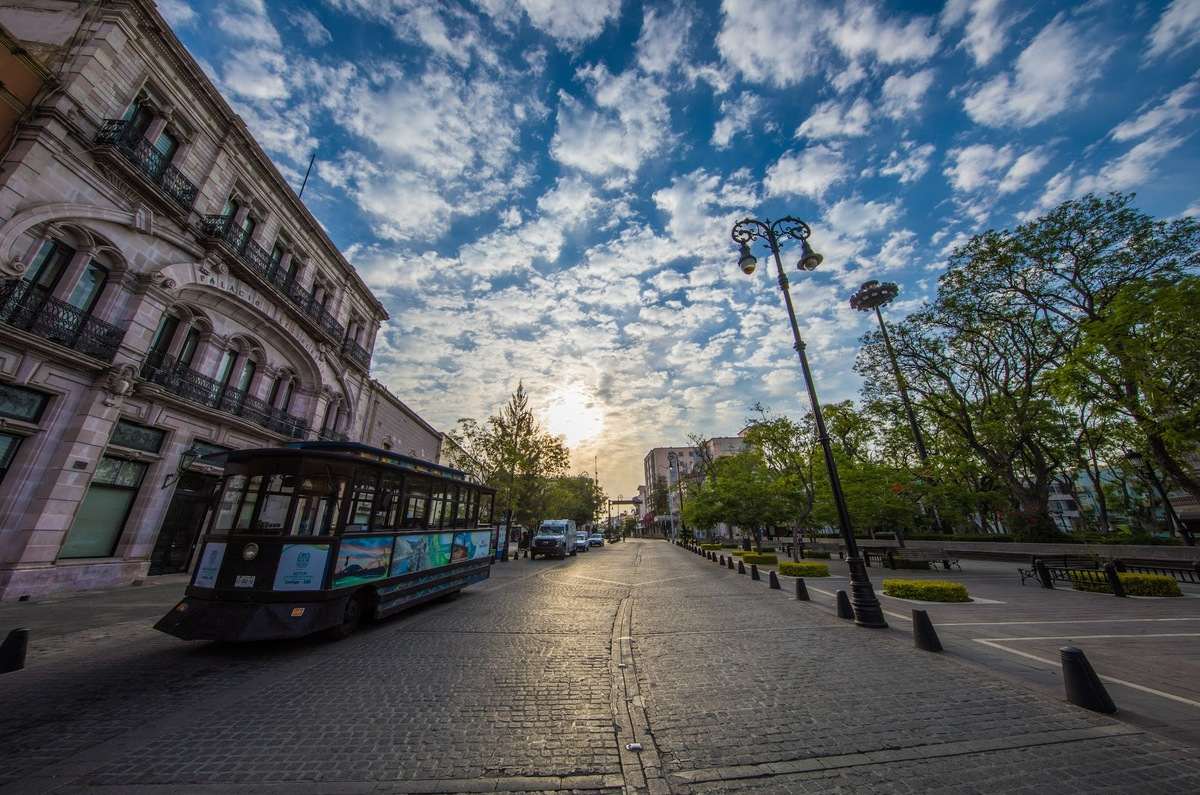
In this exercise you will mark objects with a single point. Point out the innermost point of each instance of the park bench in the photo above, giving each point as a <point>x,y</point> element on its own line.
<point>1058,568</point>
<point>946,558</point>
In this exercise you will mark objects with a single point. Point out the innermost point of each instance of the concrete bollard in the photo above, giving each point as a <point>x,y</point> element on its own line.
<point>925,636</point>
<point>773,581</point>
<point>741,567</point>
<point>12,650</point>
<point>754,572</point>
<point>729,560</point>
<point>801,590</point>
<point>721,560</point>
<point>1084,688</point>
<point>843,606</point>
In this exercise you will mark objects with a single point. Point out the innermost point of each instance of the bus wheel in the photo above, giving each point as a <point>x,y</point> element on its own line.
<point>356,608</point>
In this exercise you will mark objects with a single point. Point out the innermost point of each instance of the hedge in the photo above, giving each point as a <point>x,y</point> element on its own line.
<point>804,569</point>
<point>754,557</point>
<point>710,547</point>
<point>1133,583</point>
<point>926,590</point>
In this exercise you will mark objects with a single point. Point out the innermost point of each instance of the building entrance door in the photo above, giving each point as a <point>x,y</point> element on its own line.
<point>182,524</point>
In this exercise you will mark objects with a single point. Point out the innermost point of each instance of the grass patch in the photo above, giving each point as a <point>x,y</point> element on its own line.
<point>926,590</point>
<point>752,557</point>
<point>792,569</point>
<point>1134,584</point>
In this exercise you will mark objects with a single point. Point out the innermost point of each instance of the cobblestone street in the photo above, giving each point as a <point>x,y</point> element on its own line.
<point>536,681</point>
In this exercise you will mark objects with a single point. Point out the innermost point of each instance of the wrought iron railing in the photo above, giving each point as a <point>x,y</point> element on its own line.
<point>152,163</point>
<point>181,380</point>
<point>32,308</point>
<point>357,353</point>
<point>257,259</point>
<point>332,436</point>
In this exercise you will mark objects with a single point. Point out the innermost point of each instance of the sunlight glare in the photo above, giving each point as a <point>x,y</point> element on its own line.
<point>574,416</point>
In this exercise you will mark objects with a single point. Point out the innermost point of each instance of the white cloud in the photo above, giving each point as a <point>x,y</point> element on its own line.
<point>177,12</point>
<point>1133,169</point>
<point>1051,74</point>
<point>257,73</point>
<point>571,24</point>
<point>902,94</point>
<point>630,122</point>
<point>310,27</point>
<point>834,120</point>
<point>1169,112</point>
<point>987,24</point>
<point>660,45</point>
<point>1193,211</point>
<point>977,165</point>
<point>860,31</point>
<point>1177,29</point>
<point>1022,169</point>
<point>699,208</point>
<point>809,173</point>
<point>247,20</point>
<point>899,251</point>
<point>909,163</point>
<point>736,117</point>
<point>770,41</point>
<point>856,217</point>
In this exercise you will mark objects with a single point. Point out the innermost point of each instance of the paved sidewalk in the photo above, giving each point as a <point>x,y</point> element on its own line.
<point>542,679</point>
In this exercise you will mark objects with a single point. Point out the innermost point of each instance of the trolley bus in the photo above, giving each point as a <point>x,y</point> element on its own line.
<point>318,536</point>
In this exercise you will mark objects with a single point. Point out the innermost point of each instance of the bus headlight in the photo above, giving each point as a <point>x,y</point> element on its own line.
<point>250,551</point>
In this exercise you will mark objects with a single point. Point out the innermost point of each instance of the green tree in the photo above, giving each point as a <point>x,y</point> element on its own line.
<point>1111,281</point>
<point>576,497</point>
<point>511,452</point>
<point>742,491</point>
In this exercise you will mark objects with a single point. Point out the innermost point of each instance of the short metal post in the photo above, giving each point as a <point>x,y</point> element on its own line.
<point>843,606</point>
<point>754,571</point>
<point>1043,573</point>
<point>12,650</point>
<point>801,590</point>
<point>1114,579</point>
<point>773,581</point>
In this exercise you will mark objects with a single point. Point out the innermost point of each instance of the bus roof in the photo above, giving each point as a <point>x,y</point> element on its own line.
<point>355,451</point>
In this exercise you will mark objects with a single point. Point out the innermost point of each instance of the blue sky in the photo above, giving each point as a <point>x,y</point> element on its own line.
<point>543,190</point>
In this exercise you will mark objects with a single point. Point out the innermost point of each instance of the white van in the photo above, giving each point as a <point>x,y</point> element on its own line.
<point>555,538</point>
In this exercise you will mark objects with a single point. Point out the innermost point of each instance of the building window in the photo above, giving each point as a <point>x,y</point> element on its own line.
<point>19,403</point>
<point>49,263</point>
<point>9,444</point>
<point>104,510</point>
<point>277,252</point>
<point>89,287</point>
<point>137,437</point>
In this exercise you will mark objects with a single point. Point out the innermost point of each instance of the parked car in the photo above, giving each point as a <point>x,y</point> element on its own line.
<point>596,540</point>
<point>551,539</point>
<point>581,541</point>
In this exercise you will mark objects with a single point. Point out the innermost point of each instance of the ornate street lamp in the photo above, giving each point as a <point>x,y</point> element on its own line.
<point>867,612</point>
<point>874,295</point>
<point>674,461</point>
<point>1139,463</point>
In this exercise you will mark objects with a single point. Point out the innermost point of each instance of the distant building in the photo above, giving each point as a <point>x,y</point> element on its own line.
<point>660,468</point>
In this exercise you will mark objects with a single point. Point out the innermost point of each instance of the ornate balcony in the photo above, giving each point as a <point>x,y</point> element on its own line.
<point>178,379</point>
<point>332,436</point>
<point>357,353</point>
<point>257,260</point>
<point>31,308</point>
<point>147,161</point>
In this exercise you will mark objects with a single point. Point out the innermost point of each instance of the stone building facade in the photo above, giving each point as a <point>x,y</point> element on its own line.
<point>163,294</point>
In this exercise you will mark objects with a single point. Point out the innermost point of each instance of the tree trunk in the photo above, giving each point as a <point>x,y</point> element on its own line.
<point>1095,476</point>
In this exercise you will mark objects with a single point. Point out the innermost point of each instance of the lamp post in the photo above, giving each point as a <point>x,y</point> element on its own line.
<point>867,612</point>
<point>1136,458</point>
<point>874,295</point>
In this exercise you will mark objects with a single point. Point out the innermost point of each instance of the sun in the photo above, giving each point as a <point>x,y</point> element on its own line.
<point>574,416</point>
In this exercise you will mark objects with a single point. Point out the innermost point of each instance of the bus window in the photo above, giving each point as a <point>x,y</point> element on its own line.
<point>276,501</point>
<point>439,505</point>
<point>231,496</point>
<point>317,502</point>
<point>485,509</point>
<point>358,520</point>
<point>388,509</point>
<point>246,514</point>
<point>462,508</point>
<point>416,502</point>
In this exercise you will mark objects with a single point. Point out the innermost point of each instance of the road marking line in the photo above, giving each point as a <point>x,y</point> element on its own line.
<point>1094,637</point>
<point>1111,679</point>
<point>1058,621</point>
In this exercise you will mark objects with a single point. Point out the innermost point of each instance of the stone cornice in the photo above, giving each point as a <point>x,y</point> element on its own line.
<point>151,22</point>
